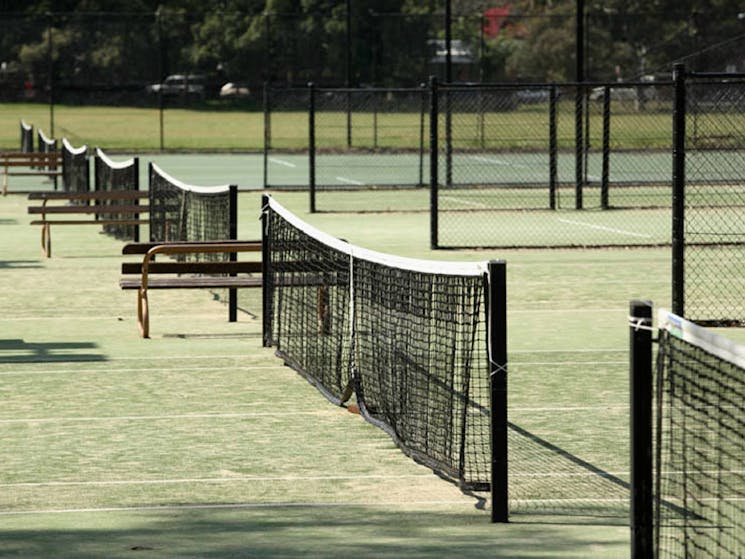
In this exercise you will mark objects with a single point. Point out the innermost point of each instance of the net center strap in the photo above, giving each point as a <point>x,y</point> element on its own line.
<point>638,323</point>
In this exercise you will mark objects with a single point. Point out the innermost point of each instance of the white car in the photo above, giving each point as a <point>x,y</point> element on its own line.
<point>232,89</point>
<point>180,84</point>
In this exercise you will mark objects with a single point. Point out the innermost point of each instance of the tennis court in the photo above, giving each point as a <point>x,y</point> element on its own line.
<point>199,441</point>
<point>200,438</point>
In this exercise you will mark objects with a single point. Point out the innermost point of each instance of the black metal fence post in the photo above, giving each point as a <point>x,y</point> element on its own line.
<point>579,145</point>
<point>640,360</point>
<point>267,131</point>
<point>606,149</point>
<point>312,145</point>
<point>553,155</point>
<point>433,162</point>
<point>679,169</point>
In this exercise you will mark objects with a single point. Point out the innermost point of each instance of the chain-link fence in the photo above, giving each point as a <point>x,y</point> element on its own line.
<point>709,234</point>
<point>368,144</point>
<point>548,165</point>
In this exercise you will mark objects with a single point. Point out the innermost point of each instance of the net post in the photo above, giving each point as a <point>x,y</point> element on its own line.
<point>151,202</point>
<point>233,257</point>
<point>433,163</point>
<point>606,149</point>
<point>679,163</point>
<point>312,145</point>
<point>497,344</point>
<point>640,361</point>
<point>136,186</point>
<point>266,293</point>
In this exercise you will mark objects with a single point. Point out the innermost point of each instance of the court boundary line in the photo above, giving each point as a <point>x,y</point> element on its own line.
<point>176,481</point>
<point>241,506</point>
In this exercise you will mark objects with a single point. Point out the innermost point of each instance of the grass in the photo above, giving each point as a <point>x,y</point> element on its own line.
<point>199,442</point>
<point>206,129</point>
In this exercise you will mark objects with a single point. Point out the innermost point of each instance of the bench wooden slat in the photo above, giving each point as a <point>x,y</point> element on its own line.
<point>144,247</point>
<point>202,282</point>
<point>90,222</point>
<point>246,267</point>
<point>40,172</point>
<point>96,209</point>
<point>41,164</point>
<point>23,159</point>
<point>94,195</point>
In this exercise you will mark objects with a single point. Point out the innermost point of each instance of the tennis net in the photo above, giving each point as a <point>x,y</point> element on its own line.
<point>27,137</point>
<point>75,168</point>
<point>184,212</point>
<point>113,176</point>
<point>699,477</point>
<point>415,341</point>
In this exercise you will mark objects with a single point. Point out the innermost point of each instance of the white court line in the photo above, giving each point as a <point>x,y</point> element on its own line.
<point>167,417</point>
<point>282,162</point>
<point>572,408</point>
<point>565,363</point>
<point>148,371</point>
<point>609,350</point>
<point>496,161</point>
<point>464,202</point>
<point>212,480</point>
<point>350,181</point>
<point>603,228</point>
<point>563,311</point>
<point>243,506</point>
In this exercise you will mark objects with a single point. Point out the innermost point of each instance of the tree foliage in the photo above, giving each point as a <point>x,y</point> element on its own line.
<point>389,41</point>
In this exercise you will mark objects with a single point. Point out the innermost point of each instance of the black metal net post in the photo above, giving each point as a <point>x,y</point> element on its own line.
<point>497,331</point>
<point>640,361</point>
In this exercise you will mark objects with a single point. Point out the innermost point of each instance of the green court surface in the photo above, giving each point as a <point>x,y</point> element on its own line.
<point>200,443</point>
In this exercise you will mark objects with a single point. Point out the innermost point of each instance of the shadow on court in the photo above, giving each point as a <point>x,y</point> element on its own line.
<point>300,530</point>
<point>20,351</point>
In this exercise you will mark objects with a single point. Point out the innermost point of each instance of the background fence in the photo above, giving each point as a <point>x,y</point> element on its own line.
<point>570,155</point>
<point>709,237</point>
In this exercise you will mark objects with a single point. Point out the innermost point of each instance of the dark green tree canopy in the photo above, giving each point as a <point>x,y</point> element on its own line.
<point>380,42</point>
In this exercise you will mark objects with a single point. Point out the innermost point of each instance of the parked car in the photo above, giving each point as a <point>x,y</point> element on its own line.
<point>232,89</point>
<point>180,84</point>
<point>616,93</point>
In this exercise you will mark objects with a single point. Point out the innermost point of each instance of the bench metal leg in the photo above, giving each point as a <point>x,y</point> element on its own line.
<point>143,314</point>
<point>46,240</point>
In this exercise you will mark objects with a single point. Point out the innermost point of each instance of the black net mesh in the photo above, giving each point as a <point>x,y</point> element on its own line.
<point>75,168</point>
<point>182,212</point>
<point>700,455</point>
<point>409,339</point>
<point>111,176</point>
<point>27,137</point>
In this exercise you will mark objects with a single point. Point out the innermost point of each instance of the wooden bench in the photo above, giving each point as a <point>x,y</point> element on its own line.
<point>231,275</point>
<point>47,165</point>
<point>126,213</point>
